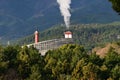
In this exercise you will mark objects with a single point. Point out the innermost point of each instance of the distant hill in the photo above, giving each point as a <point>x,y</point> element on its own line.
<point>19,18</point>
<point>88,35</point>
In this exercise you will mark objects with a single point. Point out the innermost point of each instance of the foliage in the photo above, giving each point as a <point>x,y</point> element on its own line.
<point>16,22</point>
<point>88,35</point>
<point>69,62</point>
<point>63,60</point>
<point>116,5</point>
<point>18,63</point>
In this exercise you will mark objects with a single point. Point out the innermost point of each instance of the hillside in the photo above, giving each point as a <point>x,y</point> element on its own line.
<point>89,35</point>
<point>19,18</point>
<point>102,51</point>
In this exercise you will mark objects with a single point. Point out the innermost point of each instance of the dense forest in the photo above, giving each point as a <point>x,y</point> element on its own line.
<point>69,62</point>
<point>88,35</point>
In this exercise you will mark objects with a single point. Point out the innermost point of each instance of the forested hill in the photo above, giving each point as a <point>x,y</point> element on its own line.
<point>89,35</point>
<point>19,18</point>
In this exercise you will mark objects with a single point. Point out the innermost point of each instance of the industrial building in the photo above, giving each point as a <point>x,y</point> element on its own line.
<point>44,46</point>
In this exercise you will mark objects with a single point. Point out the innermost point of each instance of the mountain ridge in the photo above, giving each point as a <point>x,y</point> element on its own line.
<point>22,18</point>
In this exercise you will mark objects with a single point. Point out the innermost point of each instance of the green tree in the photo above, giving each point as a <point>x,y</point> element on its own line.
<point>112,58</point>
<point>116,72</point>
<point>77,72</point>
<point>23,58</point>
<point>23,55</point>
<point>30,63</point>
<point>3,64</point>
<point>35,73</point>
<point>104,72</point>
<point>61,62</point>
<point>116,5</point>
<point>95,59</point>
<point>90,72</point>
<point>10,53</point>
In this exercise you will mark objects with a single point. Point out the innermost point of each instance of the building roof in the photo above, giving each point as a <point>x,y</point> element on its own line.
<point>67,32</point>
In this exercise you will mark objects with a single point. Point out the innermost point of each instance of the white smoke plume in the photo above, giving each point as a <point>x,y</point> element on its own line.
<point>65,10</point>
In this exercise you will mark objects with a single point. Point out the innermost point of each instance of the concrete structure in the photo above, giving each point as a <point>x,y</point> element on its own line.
<point>44,46</point>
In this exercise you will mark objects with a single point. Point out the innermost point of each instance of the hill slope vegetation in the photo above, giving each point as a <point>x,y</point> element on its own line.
<point>89,35</point>
<point>21,18</point>
<point>69,62</point>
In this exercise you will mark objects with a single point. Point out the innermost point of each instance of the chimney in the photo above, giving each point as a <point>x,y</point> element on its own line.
<point>68,34</point>
<point>36,37</point>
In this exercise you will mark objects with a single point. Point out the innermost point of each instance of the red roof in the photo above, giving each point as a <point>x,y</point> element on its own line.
<point>68,32</point>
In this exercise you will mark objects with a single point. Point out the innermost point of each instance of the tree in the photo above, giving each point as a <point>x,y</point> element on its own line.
<point>104,72</point>
<point>116,5</point>
<point>61,62</point>
<point>35,73</point>
<point>116,72</point>
<point>95,59</point>
<point>77,72</point>
<point>10,53</point>
<point>112,58</point>
<point>30,63</point>
<point>90,72</point>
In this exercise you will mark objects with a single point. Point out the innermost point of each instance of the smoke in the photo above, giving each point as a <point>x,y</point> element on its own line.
<point>64,8</point>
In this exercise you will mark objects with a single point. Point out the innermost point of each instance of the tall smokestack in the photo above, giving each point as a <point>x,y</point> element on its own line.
<point>64,8</point>
<point>36,37</point>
